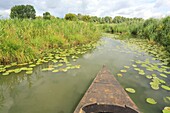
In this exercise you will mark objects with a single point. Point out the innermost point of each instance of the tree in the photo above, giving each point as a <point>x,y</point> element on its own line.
<point>86,18</point>
<point>23,11</point>
<point>71,17</point>
<point>47,15</point>
<point>108,19</point>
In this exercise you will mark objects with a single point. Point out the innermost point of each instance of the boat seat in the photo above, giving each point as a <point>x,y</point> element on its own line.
<point>96,108</point>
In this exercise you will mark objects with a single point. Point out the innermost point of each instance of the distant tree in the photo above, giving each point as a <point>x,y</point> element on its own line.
<point>94,19</point>
<point>108,19</point>
<point>23,11</point>
<point>79,16</point>
<point>47,15</point>
<point>86,18</point>
<point>71,16</point>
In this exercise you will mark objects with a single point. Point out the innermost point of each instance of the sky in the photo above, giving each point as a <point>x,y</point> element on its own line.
<point>101,8</point>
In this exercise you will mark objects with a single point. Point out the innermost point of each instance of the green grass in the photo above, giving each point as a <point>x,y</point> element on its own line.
<point>25,40</point>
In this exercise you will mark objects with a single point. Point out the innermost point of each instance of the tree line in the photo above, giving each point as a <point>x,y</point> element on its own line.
<point>28,11</point>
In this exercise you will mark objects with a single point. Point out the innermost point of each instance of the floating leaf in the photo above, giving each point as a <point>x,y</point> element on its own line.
<point>151,101</point>
<point>17,70</point>
<point>167,72</point>
<point>154,85</point>
<point>47,69</point>
<point>2,70</point>
<point>126,67</point>
<point>166,110</point>
<point>167,100</point>
<point>29,72</point>
<point>165,87</point>
<point>6,73</point>
<point>123,71</point>
<point>33,65</point>
<point>163,75</point>
<point>154,75</point>
<point>58,65</point>
<point>55,71</point>
<point>149,76</point>
<point>130,90</point>
<point>120,75</point>
<point>134,65</point>
<point>142,73</point>
<point>137,69</point>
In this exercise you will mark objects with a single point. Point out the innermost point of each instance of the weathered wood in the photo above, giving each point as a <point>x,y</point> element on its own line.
<point>105,95</point>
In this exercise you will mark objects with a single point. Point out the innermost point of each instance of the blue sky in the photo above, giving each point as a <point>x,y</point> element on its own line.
<point>128,8</point>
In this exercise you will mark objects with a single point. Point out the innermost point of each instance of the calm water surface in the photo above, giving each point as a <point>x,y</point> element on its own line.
<point>47,92</point>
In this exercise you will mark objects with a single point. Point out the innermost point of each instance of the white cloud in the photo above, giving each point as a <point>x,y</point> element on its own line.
<point>130,8</point>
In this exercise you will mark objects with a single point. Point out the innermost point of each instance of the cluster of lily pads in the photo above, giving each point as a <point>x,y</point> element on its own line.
<point>156,50</point>
<point>155,69</point>
<point>59,58</point>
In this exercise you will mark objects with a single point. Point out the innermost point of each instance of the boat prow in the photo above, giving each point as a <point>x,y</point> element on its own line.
<point>105,95</point>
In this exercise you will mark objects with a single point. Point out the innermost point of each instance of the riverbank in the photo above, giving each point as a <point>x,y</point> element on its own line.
<point>25,40</point>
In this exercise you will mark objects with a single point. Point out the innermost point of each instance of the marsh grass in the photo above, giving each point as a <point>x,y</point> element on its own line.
<point>25,40</point>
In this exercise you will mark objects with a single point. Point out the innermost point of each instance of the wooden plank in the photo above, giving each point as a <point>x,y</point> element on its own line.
<point>105,95</point>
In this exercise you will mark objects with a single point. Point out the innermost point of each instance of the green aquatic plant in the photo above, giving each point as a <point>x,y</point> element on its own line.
<point>167,100</point>
<point>134,66</point>
<point>165,87</point>
<point>130,90</point>
<point>55,71</point>
<point>119,75</point>
<point>29,72</point>
<point>47,69</point>
<point>151,101</point>
<point>123,71</point>
<point>33,65</point>
<point>149,76</point>
<point>127,67</point>
<point>6,73</point>
<point>166,110</point>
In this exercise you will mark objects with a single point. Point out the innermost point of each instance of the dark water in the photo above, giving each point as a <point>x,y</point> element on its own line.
<point>47,92</point>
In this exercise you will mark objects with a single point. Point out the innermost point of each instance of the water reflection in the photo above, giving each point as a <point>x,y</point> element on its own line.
<point>47,92</point>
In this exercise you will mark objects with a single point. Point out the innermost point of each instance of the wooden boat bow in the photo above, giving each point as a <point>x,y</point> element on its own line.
<point>105,95</point>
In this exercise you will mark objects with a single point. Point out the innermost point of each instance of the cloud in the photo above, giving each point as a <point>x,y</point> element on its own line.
<point>130,8</point>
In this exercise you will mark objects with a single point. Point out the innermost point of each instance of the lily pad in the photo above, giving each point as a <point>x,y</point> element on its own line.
<point>134,65</point>
<point>17,70</point>
<point>163,75</point>
<point>127,67</point>
<point>167,100</point>
<point>151,101</point>
<point>142,73</point>
<point>154,85</point>
<point>47,69</point>
<point>165,87</point>
<point>33,65</point>
<point>119,75</point>
<point>6,73</point>
<point>29,72</point>
<point>55,71</point>
<point>166,110</point>
<point>149,76</point>
<point>130,90</point>
<point>137,69</point>
<point>123,71</point>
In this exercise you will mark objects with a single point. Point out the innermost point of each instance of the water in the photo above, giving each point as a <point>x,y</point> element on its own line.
<point>47,92</point>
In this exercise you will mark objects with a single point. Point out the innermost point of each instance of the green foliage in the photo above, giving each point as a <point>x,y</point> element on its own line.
<point>47,15</point>
<point>71,16</point>
<point>86,18</point>
<point>22,41</point>
<point>23,11</point>
<point>155,30</point>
